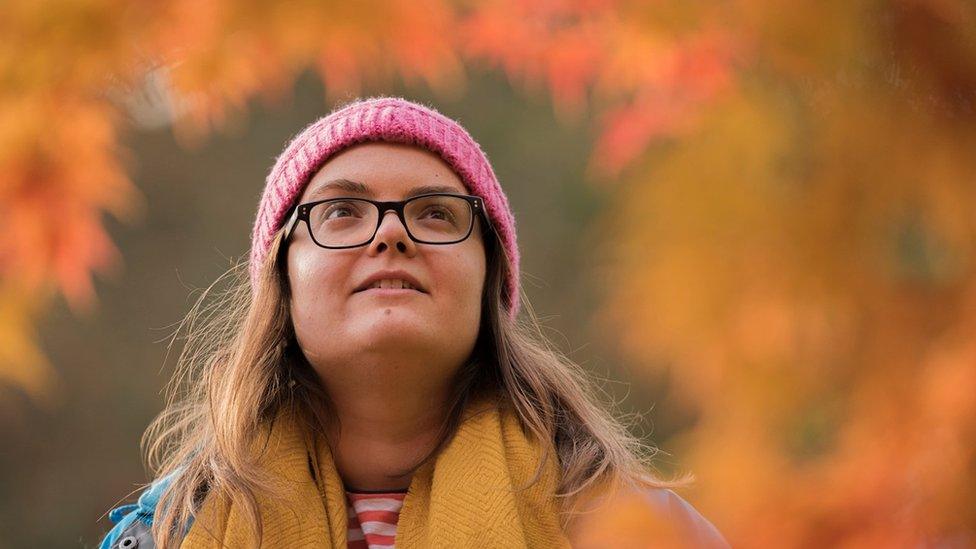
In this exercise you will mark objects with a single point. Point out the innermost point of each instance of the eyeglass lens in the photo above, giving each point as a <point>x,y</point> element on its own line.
<point>350,222</point>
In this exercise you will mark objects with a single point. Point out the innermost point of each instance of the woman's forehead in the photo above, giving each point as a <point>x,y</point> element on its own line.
<point>384,169</point>
<point>348,187</point>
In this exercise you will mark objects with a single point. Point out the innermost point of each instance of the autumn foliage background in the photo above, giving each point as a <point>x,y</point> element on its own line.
<point>755,217</point>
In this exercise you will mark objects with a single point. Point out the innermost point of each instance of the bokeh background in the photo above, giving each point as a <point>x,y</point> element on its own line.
<point>754,221</point>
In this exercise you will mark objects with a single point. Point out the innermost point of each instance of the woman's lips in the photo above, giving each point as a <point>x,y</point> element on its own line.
<point>390,292</point>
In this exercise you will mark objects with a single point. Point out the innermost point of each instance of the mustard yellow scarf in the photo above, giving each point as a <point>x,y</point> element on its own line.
<point>464,497</point>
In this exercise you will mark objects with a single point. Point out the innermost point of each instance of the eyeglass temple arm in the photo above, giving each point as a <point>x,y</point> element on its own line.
<point>290,225</point>
<point>484,215</point>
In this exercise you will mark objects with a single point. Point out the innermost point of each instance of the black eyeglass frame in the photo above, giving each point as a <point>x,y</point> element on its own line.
<point>300,213</point>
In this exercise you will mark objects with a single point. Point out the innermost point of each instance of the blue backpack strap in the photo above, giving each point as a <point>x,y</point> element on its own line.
<point>134,520</point>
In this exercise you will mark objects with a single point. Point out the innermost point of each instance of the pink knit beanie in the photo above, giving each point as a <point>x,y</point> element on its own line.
<point>395,120</point>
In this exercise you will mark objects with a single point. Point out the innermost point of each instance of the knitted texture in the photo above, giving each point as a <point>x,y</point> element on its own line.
<point>467,497</point>
<point>390,119</point>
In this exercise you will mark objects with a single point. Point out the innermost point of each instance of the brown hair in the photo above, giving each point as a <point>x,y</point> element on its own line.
<point>241,364</point>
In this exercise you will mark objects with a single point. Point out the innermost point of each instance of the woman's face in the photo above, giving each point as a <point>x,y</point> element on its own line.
<point>401,341</point>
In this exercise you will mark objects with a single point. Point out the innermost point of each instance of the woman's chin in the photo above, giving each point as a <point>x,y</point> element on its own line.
<point>393,322</point>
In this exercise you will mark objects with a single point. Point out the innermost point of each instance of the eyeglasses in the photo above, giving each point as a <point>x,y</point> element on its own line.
<point>437,218</point>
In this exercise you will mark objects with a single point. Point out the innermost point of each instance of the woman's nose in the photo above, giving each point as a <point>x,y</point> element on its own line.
<point>391,233</point>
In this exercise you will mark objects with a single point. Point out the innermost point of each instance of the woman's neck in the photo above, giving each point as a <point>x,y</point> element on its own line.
<point>383,437</point>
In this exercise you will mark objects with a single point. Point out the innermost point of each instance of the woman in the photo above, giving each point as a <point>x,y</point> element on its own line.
<point>369,382</point>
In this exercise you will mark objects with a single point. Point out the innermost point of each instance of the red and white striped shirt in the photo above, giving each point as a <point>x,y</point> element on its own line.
<point>373,518</point>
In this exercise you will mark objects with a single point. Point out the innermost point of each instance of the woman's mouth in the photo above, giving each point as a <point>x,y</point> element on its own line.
<point>390,291</point>
<point>392,286</point>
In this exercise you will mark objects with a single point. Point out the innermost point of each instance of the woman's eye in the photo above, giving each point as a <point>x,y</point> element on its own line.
<point>443,214</point>
<point>340,210</point>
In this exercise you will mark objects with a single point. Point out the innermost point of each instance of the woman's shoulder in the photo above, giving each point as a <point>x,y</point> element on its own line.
<point>133,521</point>
<point>641,516</point>
<point>697,529</point>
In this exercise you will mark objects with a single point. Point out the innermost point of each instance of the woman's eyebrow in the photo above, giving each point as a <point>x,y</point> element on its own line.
<point>356,187</point>
<point>341,185</point>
